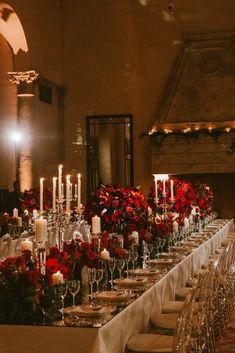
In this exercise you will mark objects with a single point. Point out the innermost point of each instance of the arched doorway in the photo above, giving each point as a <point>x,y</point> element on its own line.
<point>12,40</point>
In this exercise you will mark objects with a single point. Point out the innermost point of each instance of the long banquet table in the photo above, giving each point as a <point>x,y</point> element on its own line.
<point>112,337</point>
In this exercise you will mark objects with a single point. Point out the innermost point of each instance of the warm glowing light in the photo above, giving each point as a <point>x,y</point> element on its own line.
<point>228,129</point>
<point>167,131</point>
<point>16,136</point>
<point>187,130</point>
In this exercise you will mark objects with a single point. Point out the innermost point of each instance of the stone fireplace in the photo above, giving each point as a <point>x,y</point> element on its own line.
<point>194,134</point>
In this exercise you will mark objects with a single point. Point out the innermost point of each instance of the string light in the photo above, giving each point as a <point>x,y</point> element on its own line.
<point>170,8</point>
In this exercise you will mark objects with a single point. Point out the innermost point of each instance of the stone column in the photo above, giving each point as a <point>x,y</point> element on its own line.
<point>25,82</point>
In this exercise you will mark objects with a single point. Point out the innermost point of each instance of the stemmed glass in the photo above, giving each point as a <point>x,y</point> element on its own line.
<point>73,287</point>
<point>61,290</point>
<point>149,249</point>
<point>92,276</point>
<point>134,257</point>
<point>162,242</point>
<point>98,277</point>
<point>127,259</point>
<point>120,263</point>
<point>112,265</point>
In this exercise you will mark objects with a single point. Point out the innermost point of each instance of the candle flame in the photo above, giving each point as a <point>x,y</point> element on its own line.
<point>79,175</point>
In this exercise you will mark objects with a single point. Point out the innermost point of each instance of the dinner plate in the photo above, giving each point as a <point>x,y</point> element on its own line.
<point>88,311</point>
<point>164,261</point>
<point>144,272</point>
<point>131,282</point>
<point>113,296</point>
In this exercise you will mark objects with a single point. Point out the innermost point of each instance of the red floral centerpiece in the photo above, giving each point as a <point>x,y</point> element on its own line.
<point>204,199</point>
<point>31,199</point>
<point>25,293</point>
<point>122,210</point>
<point>167,210</point>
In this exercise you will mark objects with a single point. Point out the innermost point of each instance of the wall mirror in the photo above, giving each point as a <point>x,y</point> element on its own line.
<point>109,150</point>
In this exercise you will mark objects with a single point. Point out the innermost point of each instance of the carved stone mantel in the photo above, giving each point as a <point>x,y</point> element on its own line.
<point>200,92</point>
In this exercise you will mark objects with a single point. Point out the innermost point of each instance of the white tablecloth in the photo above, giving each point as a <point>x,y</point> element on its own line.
<point>112,337</point>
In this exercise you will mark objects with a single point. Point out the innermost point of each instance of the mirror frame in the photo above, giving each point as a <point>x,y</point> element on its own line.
<point>91,122</point>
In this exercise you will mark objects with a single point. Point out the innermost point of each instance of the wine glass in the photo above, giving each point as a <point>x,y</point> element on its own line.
<point>120,263</point>
<point>60,291</point>
<point>149,249</point>
<point>98,277</point>
<point>112,265</point>
<point>134,256</point>
<point>73,287</point>
<point>92,275</point>
<point>127,256</point>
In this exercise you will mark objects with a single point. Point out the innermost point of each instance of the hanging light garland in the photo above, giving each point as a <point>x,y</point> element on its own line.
<point>170,8</point>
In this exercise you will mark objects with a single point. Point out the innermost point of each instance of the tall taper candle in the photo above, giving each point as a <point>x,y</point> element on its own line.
<point>172,190</point>
<point>156,191</point>
<point>54,194</point>
<point>41,195</point>
<point>79,193</point>
<point>60,182</point>
<point>68,193</point>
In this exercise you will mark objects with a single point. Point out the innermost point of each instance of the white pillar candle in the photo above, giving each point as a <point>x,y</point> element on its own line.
<point>172,190</point>
<point>26,245</point>
<point>105,255</point>
<point>79,193</point>
<point>54,194</point>
<point>67,193</point>
<point>60,183</point>
<point>15,212</point>
<point>41,195</point>
<point>57,278</point>
<point>186,223</point>
<point>40,230</point>
<point>95,225</point>
<point>19,222</point>
<point>71,191</point>
<point>35,213</point>
<point>175,227</point>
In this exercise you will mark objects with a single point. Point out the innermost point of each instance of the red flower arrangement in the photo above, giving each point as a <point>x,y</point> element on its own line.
<point>162,227</point>
<point>122,210</point>
<point>184,197</point>
<point>23,288</point>
<point>204,199</point>
<point>31,199</point>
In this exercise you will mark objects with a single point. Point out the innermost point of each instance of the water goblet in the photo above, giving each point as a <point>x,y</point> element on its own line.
<point>60,291</point>
<point>112,265</point>
<point>162,242</point>
<point>92,275</point>
<point>98,277</point>
<point>134,257</point>
<point>149,250</point>
<point>73,287</point>
<point>120,263</point>
<point>127,257</point>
